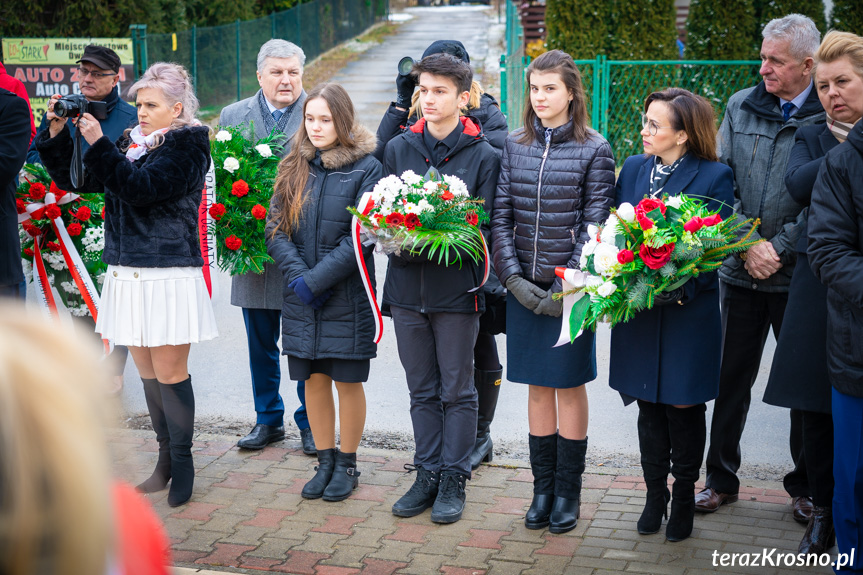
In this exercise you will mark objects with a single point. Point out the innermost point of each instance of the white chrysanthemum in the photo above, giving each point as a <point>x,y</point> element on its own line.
<point>674,202</point>
<point>100,279</point>
<point>456,186</point>
<point>430,187</point>
<point>264,150</point>
<point>28,268</point>
<point>411,178</point>
<point>605,258</point>
<point>79,310</point>
<point>231,164</point>
<point>223,136</point>
<point>610,230</point>
<point>424,205</point>
<point>385,210</point>
<point>626,212</point>
<point>606,289</point>
<point>412,208</point>
<point>69,287</point>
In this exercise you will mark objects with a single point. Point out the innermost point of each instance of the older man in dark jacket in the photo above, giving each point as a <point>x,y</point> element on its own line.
<point>98,77</point>
<point>14,136</point>
<point>836,256</point>
<point>277,106</point>
<point>755,140</point>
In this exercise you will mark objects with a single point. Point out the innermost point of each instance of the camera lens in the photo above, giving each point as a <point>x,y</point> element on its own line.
<point>64,108</point>
<point>406,64</point>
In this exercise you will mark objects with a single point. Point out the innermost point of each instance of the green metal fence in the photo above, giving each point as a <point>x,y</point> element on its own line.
<point>616,90</point>
<point>222,59</point>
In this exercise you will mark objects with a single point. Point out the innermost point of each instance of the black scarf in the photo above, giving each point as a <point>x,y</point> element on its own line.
<point>660,173</point>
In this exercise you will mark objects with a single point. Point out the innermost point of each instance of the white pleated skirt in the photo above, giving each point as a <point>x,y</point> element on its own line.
<point>151,307</point>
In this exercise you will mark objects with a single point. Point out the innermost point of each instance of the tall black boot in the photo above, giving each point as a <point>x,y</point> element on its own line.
<point>655,447</point>
<point>488,389</point>
<point>178,401</point>
<point>314,487</point>
<point>159,479</point>
<point>567,484</point>
<point>688,432</point>
<point>543,461</point>
<point>345,477</point>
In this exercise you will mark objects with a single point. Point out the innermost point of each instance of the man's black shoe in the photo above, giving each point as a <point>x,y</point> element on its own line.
<point>261,436</point>
<point>449,504</point>
<point>308,441</point>
<point>421,495</point>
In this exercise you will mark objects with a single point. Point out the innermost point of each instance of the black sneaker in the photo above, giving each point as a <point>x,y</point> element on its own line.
<point>449,504</point>
<point>421,495</point>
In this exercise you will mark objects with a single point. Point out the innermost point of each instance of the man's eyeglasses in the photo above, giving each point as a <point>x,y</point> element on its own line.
<point>84,72</point>
<point>651,126</point>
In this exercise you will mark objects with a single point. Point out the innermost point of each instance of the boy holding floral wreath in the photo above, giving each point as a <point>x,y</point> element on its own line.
<point>436,308</point>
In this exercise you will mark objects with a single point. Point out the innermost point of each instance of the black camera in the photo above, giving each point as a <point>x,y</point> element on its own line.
<point>76,105</point>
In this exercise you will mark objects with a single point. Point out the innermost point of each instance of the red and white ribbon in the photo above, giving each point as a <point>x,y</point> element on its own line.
<point>572,279</point>
<point>205,232</point>
<point>47,298</point>
<point>36,206</point>
<point>366,204</point>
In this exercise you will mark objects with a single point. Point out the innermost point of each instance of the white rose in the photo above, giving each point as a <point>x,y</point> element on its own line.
<point>592,231</point>
<point>626,212</point>
<point>264,150</point>
<point>593,282</point>
<point>606,289</point>
<point>609,232</point>
<point>223,136</point>
<point>605,258</point>
<point>674,202</point>
<point>411,178</point>
<point>231,164</point>
<point>589,247</point>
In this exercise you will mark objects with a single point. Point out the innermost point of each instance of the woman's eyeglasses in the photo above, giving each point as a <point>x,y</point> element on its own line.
<point>651,126</point>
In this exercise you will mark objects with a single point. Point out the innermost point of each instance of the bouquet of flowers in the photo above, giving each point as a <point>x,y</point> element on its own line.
<point>245,174</point>
<point>66,231</point>
<point>641,251</point>
<point>434,217</point>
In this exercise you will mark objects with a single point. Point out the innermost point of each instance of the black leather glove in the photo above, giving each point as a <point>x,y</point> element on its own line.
<point>667,297</point>
<point>527,293</point>
<point>549,306</point>
<point>405,86</point>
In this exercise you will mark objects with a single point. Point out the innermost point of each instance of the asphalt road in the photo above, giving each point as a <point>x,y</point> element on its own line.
<point>220,368</point>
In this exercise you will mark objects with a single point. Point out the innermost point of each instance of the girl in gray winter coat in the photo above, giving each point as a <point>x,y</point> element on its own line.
<point>328,325</point>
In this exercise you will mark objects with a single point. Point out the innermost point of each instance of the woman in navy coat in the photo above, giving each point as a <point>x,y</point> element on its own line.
<point>667,358</point>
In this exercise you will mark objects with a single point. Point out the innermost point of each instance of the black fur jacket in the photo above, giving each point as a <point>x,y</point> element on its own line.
<point>151,205</point>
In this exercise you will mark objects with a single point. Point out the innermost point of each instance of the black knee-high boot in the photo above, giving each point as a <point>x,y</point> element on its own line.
<point>162,473</point>
<point>178,401</point>
<point>688,432</point>
<point>488,389</point>
<point>655,447</point>
<point>543,462</point>
<point>567,484</point>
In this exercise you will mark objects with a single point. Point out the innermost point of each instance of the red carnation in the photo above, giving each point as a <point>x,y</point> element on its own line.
<point>655,258</point>
<point>53,212</point>
<point>395,219</point>
<point>693,225</point>
<point>37,191</point>
<point>472,218</point>
<point>74,229</point>
<point>58,193</point>
<point>28,252</point>
<point>447,196</point>
<point>712,220</point>
<point>53,246</point>
<point>259,212</point>
<point>239,188</point>
<point>217,211</point>
<point>83,213</point>
<point>233,243</point>
<point>625,256</point>
<point>412,221</point>
<point>20,206</point>
<point>31,229</point>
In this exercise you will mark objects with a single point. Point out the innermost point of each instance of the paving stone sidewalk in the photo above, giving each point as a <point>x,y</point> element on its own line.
<point>247,516</point>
